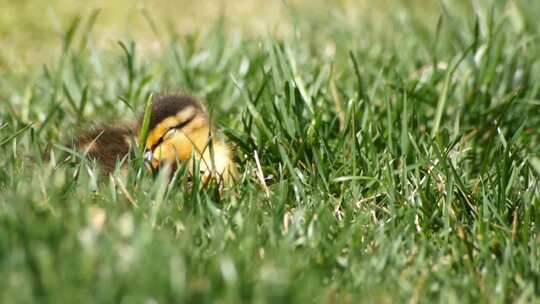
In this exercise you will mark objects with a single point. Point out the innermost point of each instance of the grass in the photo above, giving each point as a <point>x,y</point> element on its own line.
<point>380,162</point>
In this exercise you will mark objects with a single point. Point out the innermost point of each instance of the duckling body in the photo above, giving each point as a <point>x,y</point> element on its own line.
<point>106,145</point>
<point>179,132</point>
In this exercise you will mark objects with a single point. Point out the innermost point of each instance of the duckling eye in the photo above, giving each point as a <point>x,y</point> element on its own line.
<point>169,133</point>
<point>179,126</point>
<point>172,130</point>
<point>166,136</point>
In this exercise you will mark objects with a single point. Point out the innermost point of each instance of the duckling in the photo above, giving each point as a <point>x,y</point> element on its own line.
<point>179,131</point>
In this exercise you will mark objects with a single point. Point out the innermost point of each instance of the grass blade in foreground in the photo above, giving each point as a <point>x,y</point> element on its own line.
<point>145,123</point>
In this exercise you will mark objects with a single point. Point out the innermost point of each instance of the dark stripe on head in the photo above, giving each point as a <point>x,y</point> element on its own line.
<point>169,105</point>
<point>179,127</point>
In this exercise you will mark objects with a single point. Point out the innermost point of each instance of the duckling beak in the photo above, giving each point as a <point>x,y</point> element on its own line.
<point>148,155</point>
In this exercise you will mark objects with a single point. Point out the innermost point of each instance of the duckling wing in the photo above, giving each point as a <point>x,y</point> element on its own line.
<point>106,145</point>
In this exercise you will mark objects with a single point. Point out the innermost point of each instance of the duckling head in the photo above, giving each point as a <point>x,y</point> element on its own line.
<point>179,129</point>
<point>178,126</point>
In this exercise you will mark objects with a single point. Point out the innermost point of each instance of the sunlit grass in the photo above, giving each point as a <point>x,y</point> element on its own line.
<point>379,162</point>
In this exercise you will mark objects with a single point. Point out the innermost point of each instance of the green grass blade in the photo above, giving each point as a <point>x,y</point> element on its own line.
<point>16,134</point>
<point>145,126</point>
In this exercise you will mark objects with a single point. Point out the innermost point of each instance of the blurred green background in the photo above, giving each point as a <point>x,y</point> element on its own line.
<point>31,31</point>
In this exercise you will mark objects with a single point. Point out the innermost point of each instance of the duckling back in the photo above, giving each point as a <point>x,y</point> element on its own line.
<point>105,145</point>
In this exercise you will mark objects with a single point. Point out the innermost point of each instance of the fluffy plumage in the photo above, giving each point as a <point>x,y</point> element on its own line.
<point>179,132</point>
<point>106,145</point>
<point>167,105</point>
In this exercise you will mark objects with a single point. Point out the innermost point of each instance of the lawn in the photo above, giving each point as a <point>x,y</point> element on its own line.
<point>388,152</point>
